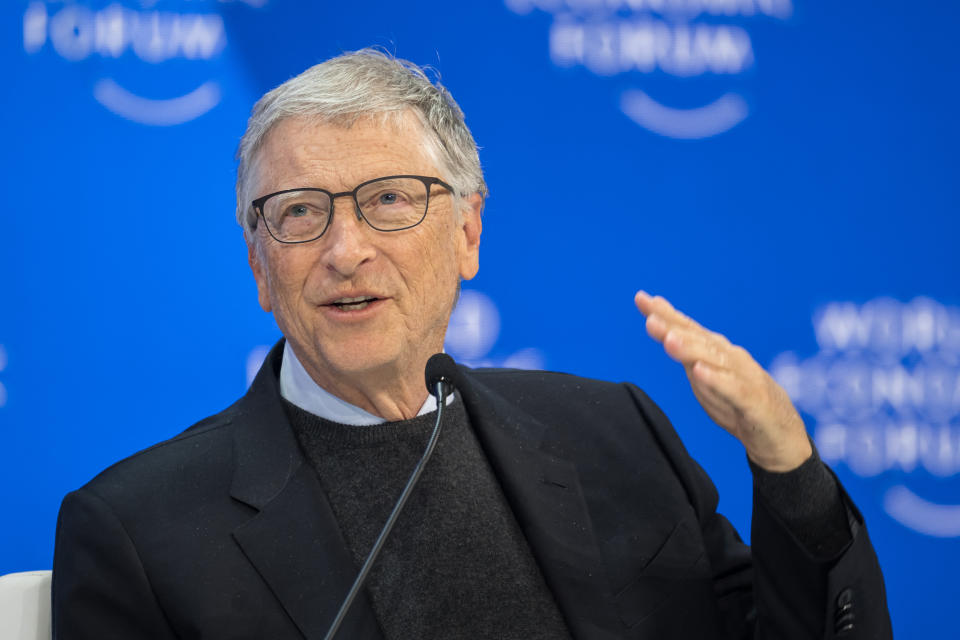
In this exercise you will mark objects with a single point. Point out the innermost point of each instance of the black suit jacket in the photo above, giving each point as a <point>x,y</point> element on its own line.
<point>225,532</point>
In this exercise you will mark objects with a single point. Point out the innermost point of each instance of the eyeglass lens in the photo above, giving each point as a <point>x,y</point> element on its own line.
<point>387,205</point>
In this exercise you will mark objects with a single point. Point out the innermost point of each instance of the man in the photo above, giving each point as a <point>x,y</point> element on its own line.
<point>554,506</point>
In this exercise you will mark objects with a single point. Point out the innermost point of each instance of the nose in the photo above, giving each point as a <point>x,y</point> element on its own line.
<point>347,239</point>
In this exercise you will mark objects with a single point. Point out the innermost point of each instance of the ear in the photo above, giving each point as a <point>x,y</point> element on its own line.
<point>259,274</point>
<point>470,226</point>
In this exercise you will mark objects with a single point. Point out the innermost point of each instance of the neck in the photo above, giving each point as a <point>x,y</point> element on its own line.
<point>390,392</point>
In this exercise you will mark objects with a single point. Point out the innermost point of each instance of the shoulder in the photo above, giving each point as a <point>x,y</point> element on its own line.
<point>554,392</point>
<point>586,409</point>
<point>613,420</point>
<point>171,466</point>
<point>521,381</point>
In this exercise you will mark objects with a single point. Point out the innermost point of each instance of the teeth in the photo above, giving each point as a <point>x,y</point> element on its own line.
<point>353,304</point>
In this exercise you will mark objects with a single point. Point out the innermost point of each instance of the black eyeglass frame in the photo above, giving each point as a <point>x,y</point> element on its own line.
<point>428,182</point>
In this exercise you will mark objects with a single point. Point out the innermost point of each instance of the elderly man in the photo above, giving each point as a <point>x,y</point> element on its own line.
<point>554,506</point>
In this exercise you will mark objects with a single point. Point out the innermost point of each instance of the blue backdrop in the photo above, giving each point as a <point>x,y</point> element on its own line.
<point>783,170</point>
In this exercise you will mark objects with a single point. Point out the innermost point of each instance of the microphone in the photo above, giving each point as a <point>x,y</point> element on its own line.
<point>440,374</point>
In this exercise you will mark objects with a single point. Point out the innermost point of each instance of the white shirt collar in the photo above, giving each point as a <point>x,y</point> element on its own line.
<point>297,387</point>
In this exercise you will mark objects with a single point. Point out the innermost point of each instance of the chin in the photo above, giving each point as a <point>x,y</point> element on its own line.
<point>355,357</point>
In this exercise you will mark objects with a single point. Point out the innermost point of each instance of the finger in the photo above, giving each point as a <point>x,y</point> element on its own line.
<point>658,305</point>
<point>644,302</point>
<point>675,316</point>
<point>689,346</point>
<point>656,327</point>
<point>648,304</point>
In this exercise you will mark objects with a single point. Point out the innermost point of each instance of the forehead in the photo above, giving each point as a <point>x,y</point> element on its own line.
<point>300,152</point>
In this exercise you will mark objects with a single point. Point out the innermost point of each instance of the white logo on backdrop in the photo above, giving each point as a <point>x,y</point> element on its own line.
<point>885,392</point>
<point>3,365</point>
<point>473,331</point>
<point>471,336</point>
<point>76,32</point>
<point>681,38</point>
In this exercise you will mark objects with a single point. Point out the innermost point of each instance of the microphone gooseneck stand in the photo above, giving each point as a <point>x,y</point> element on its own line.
<point>440,372</point>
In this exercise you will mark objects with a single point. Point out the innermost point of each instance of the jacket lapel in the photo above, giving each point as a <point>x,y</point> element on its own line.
<point>293,540</point>
<point>296,545</point>
<point>544,492</point>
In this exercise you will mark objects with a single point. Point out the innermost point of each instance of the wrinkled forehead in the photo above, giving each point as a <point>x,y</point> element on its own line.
<point>301,151</point>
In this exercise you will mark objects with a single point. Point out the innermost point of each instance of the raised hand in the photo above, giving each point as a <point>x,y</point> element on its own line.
<point>735,391</point>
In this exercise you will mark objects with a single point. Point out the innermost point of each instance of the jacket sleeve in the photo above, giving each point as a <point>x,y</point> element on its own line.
<point>801,596</point>
<point>100,589</point>
<point>776,590</point>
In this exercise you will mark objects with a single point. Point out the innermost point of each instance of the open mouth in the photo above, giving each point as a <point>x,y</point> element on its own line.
<point>353,304</point>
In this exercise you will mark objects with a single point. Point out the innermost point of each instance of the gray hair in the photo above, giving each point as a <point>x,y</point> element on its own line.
<point>362,84</point>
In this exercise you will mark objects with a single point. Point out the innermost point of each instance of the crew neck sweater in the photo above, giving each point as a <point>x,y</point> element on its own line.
<point>457,564</point>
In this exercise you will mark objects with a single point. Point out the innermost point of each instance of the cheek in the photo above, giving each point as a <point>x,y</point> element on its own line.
<point>286,274</point>
<point>435,258</point>
<point>433,275</point>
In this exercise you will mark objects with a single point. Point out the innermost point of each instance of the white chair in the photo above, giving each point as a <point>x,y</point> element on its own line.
<point>25,606</point>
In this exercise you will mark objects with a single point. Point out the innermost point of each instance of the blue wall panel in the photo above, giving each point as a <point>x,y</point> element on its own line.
<point>783,170</point>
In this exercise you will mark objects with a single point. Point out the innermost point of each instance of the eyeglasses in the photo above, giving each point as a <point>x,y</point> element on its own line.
<point>392,203</point>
